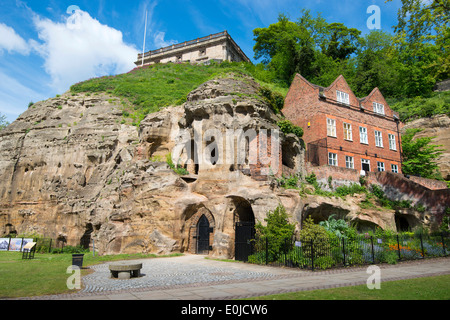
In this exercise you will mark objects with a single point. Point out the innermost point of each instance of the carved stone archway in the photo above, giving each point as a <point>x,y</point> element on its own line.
<point>193,224</point>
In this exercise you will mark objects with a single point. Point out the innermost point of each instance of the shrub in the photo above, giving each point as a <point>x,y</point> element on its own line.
<point>350,190</point>
<point>287,127</point>
<point>338,228</point>
<point>290,182</point>
<point>277,230</point>
<point>312,179</point>
<point>274,99</point>
<point>177,169</point>
<point>314,233</point>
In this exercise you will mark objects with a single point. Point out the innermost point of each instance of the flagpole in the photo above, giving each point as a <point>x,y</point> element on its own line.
<point>145,35</point>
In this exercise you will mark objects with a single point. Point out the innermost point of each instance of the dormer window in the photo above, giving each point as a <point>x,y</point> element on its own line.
<point>343,97</point>
<point>378,108</point>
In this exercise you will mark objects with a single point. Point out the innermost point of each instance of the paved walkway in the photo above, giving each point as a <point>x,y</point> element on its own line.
<point>192,277</point>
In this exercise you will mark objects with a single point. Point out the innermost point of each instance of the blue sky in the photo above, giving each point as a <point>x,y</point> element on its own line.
<point>45,48</point>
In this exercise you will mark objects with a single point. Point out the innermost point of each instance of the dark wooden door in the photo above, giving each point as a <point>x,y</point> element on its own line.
<point>203,235</point>
<point>243,244</point>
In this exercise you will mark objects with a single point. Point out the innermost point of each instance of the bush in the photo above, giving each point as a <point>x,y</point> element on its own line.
<point>338,228</point>
<point>277,231</point>
<point>274,99</point>
<point>312,179</point>
<point>290,182</point>
<point>287,127</point>
<point>350,190</point>
<point>70,250</point>
<point>315,234</point>
<point>177,169</point>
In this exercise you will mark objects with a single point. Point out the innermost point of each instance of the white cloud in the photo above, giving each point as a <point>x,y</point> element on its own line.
<point>11,41</point>
<point>81,48</point>
<point>159,42</point>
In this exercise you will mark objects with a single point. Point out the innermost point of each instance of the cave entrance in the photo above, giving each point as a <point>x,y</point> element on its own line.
<point>85,240</point>
<point>402,223</point>
<point>323,212</point>
<point>244,229</point>
<point>10,231</point>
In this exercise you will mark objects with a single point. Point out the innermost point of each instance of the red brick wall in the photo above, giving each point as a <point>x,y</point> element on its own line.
<point>412,189</point>
<point>305,108</point>
<point>438,199</point>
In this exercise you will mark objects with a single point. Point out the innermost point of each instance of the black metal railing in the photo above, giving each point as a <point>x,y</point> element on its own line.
<point>341,252</point>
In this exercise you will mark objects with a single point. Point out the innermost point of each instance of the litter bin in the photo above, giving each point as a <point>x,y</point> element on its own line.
<point>77,260</point>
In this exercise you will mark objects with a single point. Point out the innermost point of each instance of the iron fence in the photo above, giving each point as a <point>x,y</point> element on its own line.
<point>316,254</point>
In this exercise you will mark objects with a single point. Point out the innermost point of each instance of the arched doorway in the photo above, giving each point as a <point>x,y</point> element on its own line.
<point>85,240</point>
<point>199,234</point>
<point>244,219</point>
<point>203,232</point>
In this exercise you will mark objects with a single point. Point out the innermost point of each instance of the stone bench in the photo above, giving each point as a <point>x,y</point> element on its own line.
<point>125,270</point>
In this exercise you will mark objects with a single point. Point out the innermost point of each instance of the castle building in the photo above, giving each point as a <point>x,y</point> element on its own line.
<point>217,47</point>
<point>341,130</point>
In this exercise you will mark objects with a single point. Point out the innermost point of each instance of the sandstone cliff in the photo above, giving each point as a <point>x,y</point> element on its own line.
<point>71,170</point>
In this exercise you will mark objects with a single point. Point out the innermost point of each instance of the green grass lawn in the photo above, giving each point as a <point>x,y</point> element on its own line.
<point>429,288</point>
<point>46,274</point>
<point>147,90</point>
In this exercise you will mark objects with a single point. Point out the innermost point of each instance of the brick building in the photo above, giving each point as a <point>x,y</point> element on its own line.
<point>342,130</point>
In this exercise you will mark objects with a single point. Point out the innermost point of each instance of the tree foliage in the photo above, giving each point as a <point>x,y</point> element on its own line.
<point>419,155</point>
<point>313,232</point>
<point>277,228</point>
<point>3,122</point>
<point>404,64</point>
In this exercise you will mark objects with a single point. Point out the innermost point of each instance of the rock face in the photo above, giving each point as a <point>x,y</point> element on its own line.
<point>70,170</point>
<point>439,128</point>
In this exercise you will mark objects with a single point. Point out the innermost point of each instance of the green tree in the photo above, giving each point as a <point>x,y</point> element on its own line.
<point>342,41</point>
<point>377,65</point>
<point>312,47</point>
<point>277,230</point>
<point>423,42</point>
<point>3,122</point>
<point>277,46</point>
<point>419,155</point>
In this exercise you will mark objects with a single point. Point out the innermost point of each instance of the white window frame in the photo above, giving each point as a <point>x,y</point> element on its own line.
<point>394,168</point>
<point>363,136</point>
<point>332,159</point>
<point>380,166</point>
<point>343,97</point>
<point>365,161</point>
<point>348,132</point>
<point>392,142</point>
<point>331,127</point>
<point>378,139</point>
<point>378,108</point>
<point>349,162</point>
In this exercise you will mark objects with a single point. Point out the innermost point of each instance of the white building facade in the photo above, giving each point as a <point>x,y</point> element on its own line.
<point>218,47</point>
